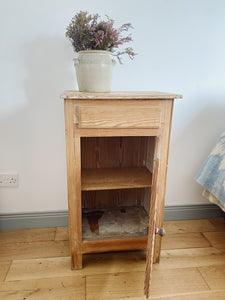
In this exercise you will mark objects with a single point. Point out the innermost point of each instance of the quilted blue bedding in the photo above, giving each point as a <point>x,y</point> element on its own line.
<point>212,174</point>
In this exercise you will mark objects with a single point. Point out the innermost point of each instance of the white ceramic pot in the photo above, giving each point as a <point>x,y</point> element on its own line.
<point>94,70</point>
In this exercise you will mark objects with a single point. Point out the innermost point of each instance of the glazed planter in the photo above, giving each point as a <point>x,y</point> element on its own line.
<point>94,70</point>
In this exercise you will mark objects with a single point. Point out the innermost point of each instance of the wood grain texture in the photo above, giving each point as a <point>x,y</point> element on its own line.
<point>113,152</point>
<point>114,245</point>
<point>27,235</point>
<point>93,264</point>
<point>115,178</point>
<point>101,263</point>
<point>34,250</point>
<point>214,276</point>
<point>109,116</point>
<point>4,268</point>
<point>216,239</point>
<point>73,155</point>
<point>163,149</point>
<point>206,295</point>
<point>119,95</point>
<point>102,199</point>
<point>152,225</point>
<point>150,148</point>
<point>25,269</point>
<point>62,234</point>
<point>46,288</point>
<point>118,132</point>
<point>185,226</point>
<point>188,240</point>
<point>121,285</point>
<point>218,223</point>
<point>193,257</point>
<point>183,274</point>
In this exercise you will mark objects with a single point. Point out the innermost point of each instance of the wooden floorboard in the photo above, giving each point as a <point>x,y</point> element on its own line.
<point>185,226</point>
<point>46,288</point>
<point>62,234</point>
<point>93,264</point>
<point>120,285</point>
<point>206,295</point>
<point>195,257</point>
<point>4,269</point>
<point>27,235</point>
<point>12,251</point>
<point>218,223</point>
<point>215,276</point>
<point>216,239</point>
<point>35,264</point>
<point>183,241</point>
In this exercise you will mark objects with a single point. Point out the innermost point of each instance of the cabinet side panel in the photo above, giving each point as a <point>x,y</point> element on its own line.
<point>74,185</point>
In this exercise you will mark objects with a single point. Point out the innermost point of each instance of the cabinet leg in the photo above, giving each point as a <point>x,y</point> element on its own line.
<point>76,261</point>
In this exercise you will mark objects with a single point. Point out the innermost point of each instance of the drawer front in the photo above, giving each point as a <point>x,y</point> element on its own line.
<point>121,116</point>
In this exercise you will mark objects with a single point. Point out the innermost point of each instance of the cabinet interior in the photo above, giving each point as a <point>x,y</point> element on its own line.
<point>116,177</point>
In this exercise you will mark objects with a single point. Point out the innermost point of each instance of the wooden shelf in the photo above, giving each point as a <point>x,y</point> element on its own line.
<point>115,178</point>
<point>115,223</point>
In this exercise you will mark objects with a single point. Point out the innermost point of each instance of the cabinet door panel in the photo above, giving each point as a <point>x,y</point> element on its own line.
<point>152,229</point>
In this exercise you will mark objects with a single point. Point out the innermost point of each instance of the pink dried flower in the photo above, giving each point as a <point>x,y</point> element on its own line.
<point>87,33</point>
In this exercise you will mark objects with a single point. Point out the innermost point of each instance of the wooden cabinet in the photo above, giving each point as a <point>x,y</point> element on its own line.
<point>117,152</point>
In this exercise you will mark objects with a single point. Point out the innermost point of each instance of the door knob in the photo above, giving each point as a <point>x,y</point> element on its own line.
<point>160,231</point>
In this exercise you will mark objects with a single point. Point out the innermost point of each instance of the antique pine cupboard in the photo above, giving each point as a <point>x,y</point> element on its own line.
<point>117,152</point>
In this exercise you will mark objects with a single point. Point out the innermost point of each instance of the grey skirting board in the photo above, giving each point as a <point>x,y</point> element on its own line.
<point>24,220</point>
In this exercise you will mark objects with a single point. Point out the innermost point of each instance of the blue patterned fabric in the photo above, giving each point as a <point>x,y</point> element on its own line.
<point>212,174</point>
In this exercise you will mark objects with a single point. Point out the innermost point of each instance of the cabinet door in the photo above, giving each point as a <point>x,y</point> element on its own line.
<point>152,229</point>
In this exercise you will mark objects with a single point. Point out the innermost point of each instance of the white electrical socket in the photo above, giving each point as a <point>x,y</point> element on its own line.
<point>8,179</point>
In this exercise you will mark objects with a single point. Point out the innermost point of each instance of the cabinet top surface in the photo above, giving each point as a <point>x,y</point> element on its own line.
<point>119,95</point>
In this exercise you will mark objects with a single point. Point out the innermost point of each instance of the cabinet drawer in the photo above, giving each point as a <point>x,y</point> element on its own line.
<point>119,116</point>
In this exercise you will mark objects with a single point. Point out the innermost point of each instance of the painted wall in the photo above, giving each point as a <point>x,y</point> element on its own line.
<point>180,46</point>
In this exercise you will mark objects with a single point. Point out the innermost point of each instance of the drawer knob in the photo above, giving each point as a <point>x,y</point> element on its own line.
<point>160,231</point>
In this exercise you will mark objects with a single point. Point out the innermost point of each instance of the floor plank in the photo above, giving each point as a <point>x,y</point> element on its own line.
<point>188,268</point>
<point>113,262</point>
<point>193,257</point>
<point>120,285</point>
<point>217,295</point>
<point>206,295</point>
<point>218,223</point>
<point>61,266</point>
<point>215,276</point>
<point>183,241</point>
<point>27,235</point>
<point>34,250</point>
<point>51,288</point>
<point>216,239</point>
<point>4,268</point>
<point>40,268</point>
<point>62,234</point>
<point>185,226</point>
